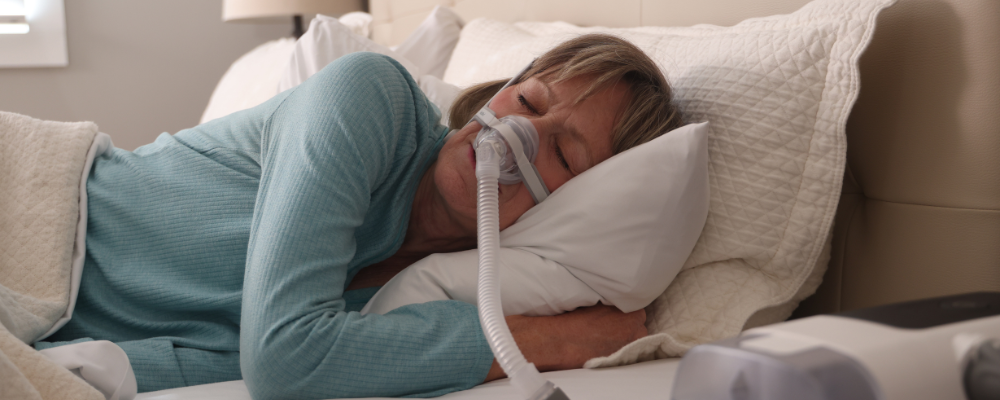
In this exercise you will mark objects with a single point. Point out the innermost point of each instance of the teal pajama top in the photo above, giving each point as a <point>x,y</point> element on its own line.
<point>222,252</point>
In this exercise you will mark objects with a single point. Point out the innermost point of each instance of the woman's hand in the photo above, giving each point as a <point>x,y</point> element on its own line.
<point>566,341</point>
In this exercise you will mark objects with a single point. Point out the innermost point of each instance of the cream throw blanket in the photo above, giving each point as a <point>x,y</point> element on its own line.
<point>41,166</point>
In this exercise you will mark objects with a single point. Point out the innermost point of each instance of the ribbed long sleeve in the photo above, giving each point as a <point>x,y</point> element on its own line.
<point>234,240</point>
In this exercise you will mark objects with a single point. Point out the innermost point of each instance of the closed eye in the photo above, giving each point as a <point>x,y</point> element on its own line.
<point>562,159</point>
<point>524,102</point>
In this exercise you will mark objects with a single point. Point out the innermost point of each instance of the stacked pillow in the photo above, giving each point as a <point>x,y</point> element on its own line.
<point>251,80</point>
<point>425,52</point>
<point>326,40</point>
<point>431,44</point>
<point>282,64</point>
<point>777,92</point>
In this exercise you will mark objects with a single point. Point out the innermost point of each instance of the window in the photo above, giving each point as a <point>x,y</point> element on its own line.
<point>12,17</point>
<point>32,34</point>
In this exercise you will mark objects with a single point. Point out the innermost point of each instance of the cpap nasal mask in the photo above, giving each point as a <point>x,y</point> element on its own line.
<point>505,151</point>
<point>515,141</point>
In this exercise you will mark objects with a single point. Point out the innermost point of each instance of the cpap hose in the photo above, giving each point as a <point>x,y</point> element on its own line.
<point>523,375</point>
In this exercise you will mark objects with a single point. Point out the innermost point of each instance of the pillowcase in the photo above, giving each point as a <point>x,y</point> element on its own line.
<point>442,94</point>
<point>777,92</point>
<point>617,233</point>
<point>431,44</point>
<point>251,80</point>
<point>256,76</point>
<point>326,40</point>
<point>282,64</point>
<point>329,38</point>
<point>358,22</point>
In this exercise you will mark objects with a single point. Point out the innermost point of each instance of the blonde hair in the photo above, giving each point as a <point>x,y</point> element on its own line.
<point>649,112</point>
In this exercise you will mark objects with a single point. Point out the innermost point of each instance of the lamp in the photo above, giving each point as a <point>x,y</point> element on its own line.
<point>247,10</point>
<point>12,17</point>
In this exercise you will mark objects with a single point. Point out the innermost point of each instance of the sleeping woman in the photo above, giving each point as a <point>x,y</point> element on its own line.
<point>242,248</point>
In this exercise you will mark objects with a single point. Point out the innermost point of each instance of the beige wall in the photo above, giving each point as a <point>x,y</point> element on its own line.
<point>136,68</point>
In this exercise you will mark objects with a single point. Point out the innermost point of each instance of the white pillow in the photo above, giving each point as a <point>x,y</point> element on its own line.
<point>329,38</point>
<point>279,65</point>
<point>777,92</point>
<point>358,22</point>
<point>617,233</point>
<point>256,76</point>
<point>442,94</point>
<point>431,44</point>
<point>251,80</point>
<point>326,40</point>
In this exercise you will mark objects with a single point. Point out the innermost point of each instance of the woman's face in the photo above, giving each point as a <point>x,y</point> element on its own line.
<point>572,138</point>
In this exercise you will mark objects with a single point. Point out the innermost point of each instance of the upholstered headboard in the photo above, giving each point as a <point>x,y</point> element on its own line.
<point>395,19</point>
<point>919,215</point>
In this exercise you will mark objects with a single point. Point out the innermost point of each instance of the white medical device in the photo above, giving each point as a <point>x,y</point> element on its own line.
<point>505,150</point>
<point>936,349</point>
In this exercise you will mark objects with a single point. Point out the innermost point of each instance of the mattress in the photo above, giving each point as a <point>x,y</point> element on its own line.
<point>646,380</point>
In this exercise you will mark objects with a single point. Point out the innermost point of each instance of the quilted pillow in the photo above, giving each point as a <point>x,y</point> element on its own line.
<point>777,92</point>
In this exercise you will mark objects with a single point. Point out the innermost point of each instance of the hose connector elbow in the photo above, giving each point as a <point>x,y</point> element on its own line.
<point>489,152</point>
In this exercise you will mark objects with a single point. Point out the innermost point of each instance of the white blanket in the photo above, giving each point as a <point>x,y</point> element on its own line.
<point>42,165</point>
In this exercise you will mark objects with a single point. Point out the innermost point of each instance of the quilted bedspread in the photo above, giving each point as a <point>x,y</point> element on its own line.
<point>41,167</point>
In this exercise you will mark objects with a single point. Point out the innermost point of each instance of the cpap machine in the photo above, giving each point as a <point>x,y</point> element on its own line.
<point>937,349</point>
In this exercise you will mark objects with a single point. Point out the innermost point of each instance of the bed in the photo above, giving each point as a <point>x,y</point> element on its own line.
<point>917,214</point>
<point>649,380</point>
<point>917,205</point>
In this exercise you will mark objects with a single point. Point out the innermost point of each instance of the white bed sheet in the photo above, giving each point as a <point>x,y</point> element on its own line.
<point>646,380</point>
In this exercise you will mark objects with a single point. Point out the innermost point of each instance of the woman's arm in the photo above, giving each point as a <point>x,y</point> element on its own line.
<point>162,363</point>
<point>551,343</point>
<point>333,155</point>
<point>566,341</point>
